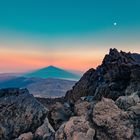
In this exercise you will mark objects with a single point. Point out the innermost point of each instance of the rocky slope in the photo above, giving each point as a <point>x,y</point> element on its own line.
<point>103,105</point>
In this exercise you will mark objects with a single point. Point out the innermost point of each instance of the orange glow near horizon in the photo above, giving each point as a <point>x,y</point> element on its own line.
<point>22,59</point>
<point>14,60</point>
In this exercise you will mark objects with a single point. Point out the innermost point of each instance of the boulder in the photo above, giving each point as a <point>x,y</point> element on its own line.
<point>125,102</point>
<point>20,112</point>
<point>111,123</point>
<point>77,128</point>
<point>45,131</point>
<point>59,113</point>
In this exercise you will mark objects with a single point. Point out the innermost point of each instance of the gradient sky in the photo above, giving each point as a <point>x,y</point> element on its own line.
<point>71,34</point>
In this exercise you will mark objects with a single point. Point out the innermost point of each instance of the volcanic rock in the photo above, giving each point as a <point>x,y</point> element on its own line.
<point>125,102</point>
<point>45,131</point>
<point>83,108</point>
<point>85,86</point>
<point>77,128</point>
<point>111,123</point>
<point>59,113</point>
<point>20,112</point>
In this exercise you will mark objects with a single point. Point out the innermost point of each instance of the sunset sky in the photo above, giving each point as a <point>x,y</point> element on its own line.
<point>71,34</point>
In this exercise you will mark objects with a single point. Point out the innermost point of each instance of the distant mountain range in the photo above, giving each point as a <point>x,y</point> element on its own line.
<point>47,82</point>
<point>52,72</point>
<point>39,87</point>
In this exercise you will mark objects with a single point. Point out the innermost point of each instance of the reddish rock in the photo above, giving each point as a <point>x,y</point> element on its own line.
<point>111,122</point>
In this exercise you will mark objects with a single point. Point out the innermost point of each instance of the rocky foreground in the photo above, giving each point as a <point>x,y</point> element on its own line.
<point>103,105</point>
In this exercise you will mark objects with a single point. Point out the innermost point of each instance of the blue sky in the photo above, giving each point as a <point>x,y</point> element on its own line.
<point>61,17</point>
<point>55,25</point>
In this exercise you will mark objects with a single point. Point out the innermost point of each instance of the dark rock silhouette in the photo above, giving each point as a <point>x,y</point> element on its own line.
<point>118,75</point>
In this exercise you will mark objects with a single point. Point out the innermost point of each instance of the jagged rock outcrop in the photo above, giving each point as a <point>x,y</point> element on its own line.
<point>118,75</point>
<point>20,112</point>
